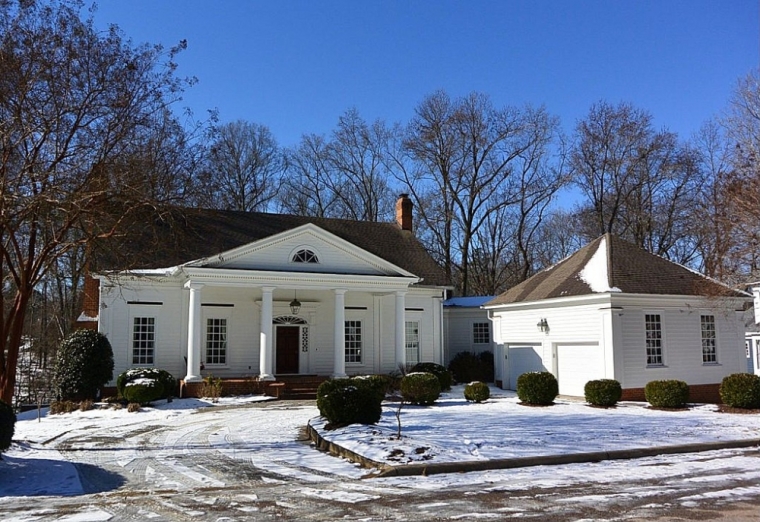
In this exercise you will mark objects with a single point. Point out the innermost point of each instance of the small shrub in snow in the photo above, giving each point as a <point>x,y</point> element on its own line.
<point>469,366</point>
<point>420,388</point>
<point>603,392</point>
<point>667,394</point>
<point>83,365</point>
<point>86,405</point>
<point>57,407</point>
<point>7,425</point>
<point>116,406</point>
<point>212,388</point>
<point>741,390</point>
<point>143,391</point>
<point>133,407</point>
<point>167,381</point>
<point>349,401</point>
<point>477,391</point>
<point>441,373</point>
<point>537,388</point>
<point>382,384</point>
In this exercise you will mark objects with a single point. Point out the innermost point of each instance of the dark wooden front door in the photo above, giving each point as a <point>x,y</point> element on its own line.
<point>287,349</point>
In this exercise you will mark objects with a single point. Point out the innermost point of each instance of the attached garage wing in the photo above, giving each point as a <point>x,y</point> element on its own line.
<point>576,365</point>
<point>522,359</point>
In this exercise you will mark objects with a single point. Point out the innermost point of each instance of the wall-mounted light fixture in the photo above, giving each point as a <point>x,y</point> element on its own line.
<point>543,325</point>
<point>295,304</point>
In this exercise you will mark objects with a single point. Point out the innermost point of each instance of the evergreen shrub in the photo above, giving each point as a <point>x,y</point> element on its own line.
<point>166,380</point>
<point>420,388</point>
<point>477,391</point>
<point>143,391</point>
<point>83,365</point>
<point>667,393</point>
<point>741,390</point>
<point>537,388</point>
<point>470,366</point>
<point>349,401</point>
<point>7,425</point>
<point>442,374</point>
<point>382,384</point>
<point>603,392</point>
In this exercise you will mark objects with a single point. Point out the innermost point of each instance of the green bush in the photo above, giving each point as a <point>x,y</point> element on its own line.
<point>349,401</point>
<point>469,366</point>
<point>168,383</point>
<point>667,394</point>
<point>442,374</point>
<point>143,391</point>
<point>382,384</point>
<point>539,388</point>
<point>741,390</point>
<point>420,388</point>
<point>477,391</point>
<point>84,364</point>
<point>7,426</point>
<point>603,392</point>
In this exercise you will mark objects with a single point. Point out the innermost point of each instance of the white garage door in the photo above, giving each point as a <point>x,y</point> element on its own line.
<point>576,365</point>
<point>523,359</point>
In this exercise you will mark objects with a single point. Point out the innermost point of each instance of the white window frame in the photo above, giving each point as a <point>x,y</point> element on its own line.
<point>477,329</point>
<point>710,339</point>
<point>661,340</point>
<point>221,352</point>
<point>412,342</point>
<point>354,348</point>
<point>216,313</point>
<point>138,358</point>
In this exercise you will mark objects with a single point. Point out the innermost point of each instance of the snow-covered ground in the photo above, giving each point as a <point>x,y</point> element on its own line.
<point>204,451</point>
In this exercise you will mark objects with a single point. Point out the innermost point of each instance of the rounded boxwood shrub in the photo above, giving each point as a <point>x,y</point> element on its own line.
<point>83,365</point>
<point>603,392</point>
<point>442,374</point>
<point>143,391</point>
<point>349,401</point>
<point>469,366</point>
<point>7,425</point>
<point>382,384</point>
<point>741,390</point>
<point>667,394</point>
<point>168,383</point>
<point>477,391</point>
<point>539,388</point>
<point>420,388</point>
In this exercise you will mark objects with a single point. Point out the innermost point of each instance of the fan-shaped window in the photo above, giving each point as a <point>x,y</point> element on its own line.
<point>288,319</point>
<point>305,256</point>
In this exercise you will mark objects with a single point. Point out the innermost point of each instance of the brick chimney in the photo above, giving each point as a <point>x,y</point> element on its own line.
<point>404,207</point>
<point>90,304</point>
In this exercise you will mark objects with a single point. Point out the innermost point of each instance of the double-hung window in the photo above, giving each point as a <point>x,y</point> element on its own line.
<point>481,333</point>
<point>412,342</point>
<point>709,339</point>
<point>353,331</point>
<point>654,340</point>
<point>143,340</point>
<point>216,341</point>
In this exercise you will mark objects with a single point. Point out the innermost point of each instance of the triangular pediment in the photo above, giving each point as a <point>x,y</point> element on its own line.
<point>307,248</point>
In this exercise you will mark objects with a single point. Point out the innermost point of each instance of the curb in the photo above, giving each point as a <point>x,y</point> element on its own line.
<point>407,470</point>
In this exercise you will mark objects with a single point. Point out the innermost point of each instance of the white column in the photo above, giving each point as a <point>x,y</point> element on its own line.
<point>400,329</point>
<point>339,365</point>
<point>194,333</point>
<point>266,349</point>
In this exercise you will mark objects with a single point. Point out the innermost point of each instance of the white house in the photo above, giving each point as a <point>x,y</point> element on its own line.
<point>262,295</point>
<point>466,326</point>
<point>615,311</point>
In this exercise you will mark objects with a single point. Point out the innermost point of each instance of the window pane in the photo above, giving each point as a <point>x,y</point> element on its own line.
<point>653,328</point>
<point>143,340</point>
<point>216,341</point>
<point>481,333</point>
<point>709,339</point>
<point>353,331</point>
<point>412,342</point>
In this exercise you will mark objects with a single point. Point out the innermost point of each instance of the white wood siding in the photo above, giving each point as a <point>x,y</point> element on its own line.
<point>458,328</point>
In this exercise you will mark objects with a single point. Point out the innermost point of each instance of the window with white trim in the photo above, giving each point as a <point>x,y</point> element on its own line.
<point>412,342</point>
<point>481,333</point>
<point>654,342</point>
<point>709,339</point>
<point>216,341</point>
<point>353,331</point>
<point>143,340</point>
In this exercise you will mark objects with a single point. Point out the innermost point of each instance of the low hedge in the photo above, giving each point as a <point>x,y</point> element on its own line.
<point>7,425</point>
<point>349,401</point>
<point>603,392</point>
<point>741,390</point>
<point>667,394</point>
<point>143,391</point>
<point>442,374</point>
<point>477,391</point>
<point>167,381</point>
<point>538,388</point>
<point>420,388</point>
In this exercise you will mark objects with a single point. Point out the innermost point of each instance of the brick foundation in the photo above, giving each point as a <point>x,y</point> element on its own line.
<point>230,388</point>
<point>703,393</point>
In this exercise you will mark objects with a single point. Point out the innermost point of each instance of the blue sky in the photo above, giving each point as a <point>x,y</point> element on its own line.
<point>297,65</point>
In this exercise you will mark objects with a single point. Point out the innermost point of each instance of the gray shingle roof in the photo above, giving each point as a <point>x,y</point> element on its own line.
<point>629,269</point>
<point>184,235</point>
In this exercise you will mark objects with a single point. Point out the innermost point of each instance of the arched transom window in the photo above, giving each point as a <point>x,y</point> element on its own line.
<point>305,256</point>
<point>288,319</point>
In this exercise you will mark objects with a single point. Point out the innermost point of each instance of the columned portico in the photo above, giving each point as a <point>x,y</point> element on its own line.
<point>194,333</point>
<point>339,365</point>
<point>266,347</point>
<point>400,329</point>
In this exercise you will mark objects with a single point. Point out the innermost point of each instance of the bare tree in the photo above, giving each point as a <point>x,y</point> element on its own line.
<point>73,104</point>
<point>307,189</point>
<point>243,167</point>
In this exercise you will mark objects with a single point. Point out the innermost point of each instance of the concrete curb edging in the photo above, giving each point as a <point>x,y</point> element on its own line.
<point>433,468</point>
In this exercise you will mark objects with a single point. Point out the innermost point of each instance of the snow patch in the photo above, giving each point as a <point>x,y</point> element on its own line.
<point>596,272</point>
